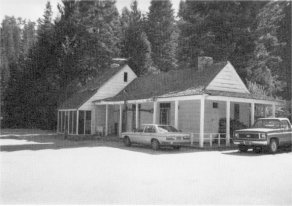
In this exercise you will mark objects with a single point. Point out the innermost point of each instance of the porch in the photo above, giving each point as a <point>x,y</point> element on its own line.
<point>209,119</point>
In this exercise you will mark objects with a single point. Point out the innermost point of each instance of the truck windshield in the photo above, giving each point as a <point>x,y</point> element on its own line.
<point>166,128</point>
<point>267,123</point>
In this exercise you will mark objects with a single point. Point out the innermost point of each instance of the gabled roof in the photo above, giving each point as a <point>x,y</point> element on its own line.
<point>182,81</point>
<point>88,90</point>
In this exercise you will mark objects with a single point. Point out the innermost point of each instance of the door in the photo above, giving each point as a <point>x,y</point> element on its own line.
<point>164,117</point>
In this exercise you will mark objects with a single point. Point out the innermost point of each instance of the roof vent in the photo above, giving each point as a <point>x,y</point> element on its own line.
<point>204,61</point>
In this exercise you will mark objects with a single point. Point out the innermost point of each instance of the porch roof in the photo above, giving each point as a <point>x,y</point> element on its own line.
<point>88,90</point>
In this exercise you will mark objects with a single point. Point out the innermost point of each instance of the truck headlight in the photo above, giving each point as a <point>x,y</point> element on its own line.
<point>236,135</point>
<point>263,136</point>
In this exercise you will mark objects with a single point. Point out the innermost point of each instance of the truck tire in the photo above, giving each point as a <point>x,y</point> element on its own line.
<point>242,148</point>
<point>273,146</point>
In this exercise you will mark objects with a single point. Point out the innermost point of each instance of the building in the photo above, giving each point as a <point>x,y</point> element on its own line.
<point>192,100</point>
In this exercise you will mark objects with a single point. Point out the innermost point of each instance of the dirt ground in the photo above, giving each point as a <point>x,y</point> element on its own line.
<point>40,167</point>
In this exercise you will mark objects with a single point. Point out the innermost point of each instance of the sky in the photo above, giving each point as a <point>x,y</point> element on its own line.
<point>34,9</point>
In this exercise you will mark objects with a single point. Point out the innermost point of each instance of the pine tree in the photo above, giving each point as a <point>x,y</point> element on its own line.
<point>162,33</point>
<point>136,46</point>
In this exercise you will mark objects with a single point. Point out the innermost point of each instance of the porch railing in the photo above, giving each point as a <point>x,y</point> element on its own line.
<point>211,139</point>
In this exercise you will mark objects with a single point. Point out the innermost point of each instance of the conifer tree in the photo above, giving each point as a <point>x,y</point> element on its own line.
<point>162,34</point>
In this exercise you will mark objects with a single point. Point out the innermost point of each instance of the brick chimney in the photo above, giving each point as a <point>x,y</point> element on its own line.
<point>204,61</point>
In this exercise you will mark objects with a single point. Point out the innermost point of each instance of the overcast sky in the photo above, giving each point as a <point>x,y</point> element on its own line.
<point>34,9</point>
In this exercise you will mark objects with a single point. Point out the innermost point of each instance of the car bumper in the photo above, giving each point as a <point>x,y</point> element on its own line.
<point>175,143</point>
<point>250,142</point>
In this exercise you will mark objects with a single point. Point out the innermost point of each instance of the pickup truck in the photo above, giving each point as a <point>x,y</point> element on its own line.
<point>266,133</point>
<point>156,136</point>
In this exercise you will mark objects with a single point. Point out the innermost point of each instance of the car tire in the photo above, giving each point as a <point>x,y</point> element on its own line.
<point>155,144</point>
<point>242,148</point>
<point>273,146</point>
<point>127,141</point>
<point>176,147</point>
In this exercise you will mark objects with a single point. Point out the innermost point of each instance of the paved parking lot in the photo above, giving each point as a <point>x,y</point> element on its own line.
<point>44,169</point>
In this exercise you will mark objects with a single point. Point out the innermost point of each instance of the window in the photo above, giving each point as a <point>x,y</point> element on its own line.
<point>87,122</point>
<point>285,124</point>
<point>125,76</point>
<point>215,105</point>
<point>164,113</point>
<point>150,129</point>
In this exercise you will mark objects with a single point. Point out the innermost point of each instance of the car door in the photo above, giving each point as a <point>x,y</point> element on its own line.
<point>286,135</point>
<point>137,136</point>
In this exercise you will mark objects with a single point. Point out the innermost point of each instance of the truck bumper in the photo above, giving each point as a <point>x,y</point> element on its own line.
<point>250,142</point>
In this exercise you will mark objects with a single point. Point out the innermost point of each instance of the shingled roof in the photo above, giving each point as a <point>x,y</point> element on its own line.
<point>88,90</point>
<point>172,83</point>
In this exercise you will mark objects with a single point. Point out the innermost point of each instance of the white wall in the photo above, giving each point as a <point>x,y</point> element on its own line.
<point>228,80</point>
<point>189,116</point>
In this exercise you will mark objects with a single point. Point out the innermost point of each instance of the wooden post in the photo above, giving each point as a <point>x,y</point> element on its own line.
<point>106,120</point>
<point>252,113</point>
<point>121,119</point>
<point>219,139</point>
<point>137,116</point>
<point>176,113</point>
<point>58,122</point>
<point>202,121</point>
<point>192,138</point>
<point>68,115</point>
<point>274,110</point>
<point>154,112</point>
<point>211,140</point>
<point>84,121</point>
<point>77,121</point>
<point>227,123</point>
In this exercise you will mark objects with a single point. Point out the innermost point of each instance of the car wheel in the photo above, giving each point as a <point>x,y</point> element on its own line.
<point>127,141</point>
<point>273,147</point>
<point>155,144</point>
<point>242,148</point>
<point>176,147</point>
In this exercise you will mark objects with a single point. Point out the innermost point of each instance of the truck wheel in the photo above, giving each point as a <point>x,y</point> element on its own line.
<point>273,146</point>
<point>127,141</point>
<point>155,144</point>
<point>242,148</point>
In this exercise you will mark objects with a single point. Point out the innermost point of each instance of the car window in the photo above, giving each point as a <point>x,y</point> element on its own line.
<point>285,124</point>
<point>149,129</point>
<point>166,128</point>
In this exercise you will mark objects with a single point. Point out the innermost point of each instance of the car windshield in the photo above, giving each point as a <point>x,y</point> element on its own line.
<point>166,128</point>
<point>267,123</point>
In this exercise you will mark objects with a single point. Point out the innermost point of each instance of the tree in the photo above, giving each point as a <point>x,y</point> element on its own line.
<point>264,67</point>
<point>136,46</point>
<point>162,33</point>
<point>222,30</point>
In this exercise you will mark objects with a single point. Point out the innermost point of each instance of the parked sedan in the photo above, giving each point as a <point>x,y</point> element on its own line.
<point>156,136</point>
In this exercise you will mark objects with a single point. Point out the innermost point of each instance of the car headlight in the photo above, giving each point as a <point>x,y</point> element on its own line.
<point>263,136</point>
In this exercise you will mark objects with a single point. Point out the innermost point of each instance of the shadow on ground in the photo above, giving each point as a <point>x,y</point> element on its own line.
<point>49,140</point>
<point>251,153</point>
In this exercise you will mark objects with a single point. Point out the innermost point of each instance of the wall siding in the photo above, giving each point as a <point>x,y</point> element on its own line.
<point>189,116</point>
<point>228,80</point>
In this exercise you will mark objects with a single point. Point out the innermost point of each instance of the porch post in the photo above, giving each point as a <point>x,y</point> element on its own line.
<point>202,121</point>
<point>227,123</point>
<point>68,115</point>
<point>77,121</point>
<point>121,119</point>
<point>61,126</point>
<point>106,119</point>
<point>176,114</point>
<point>137,116</point>
<point>252,113</point>
<point>58,122</point>
<point>274,110</point>
<point>154,112</point>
